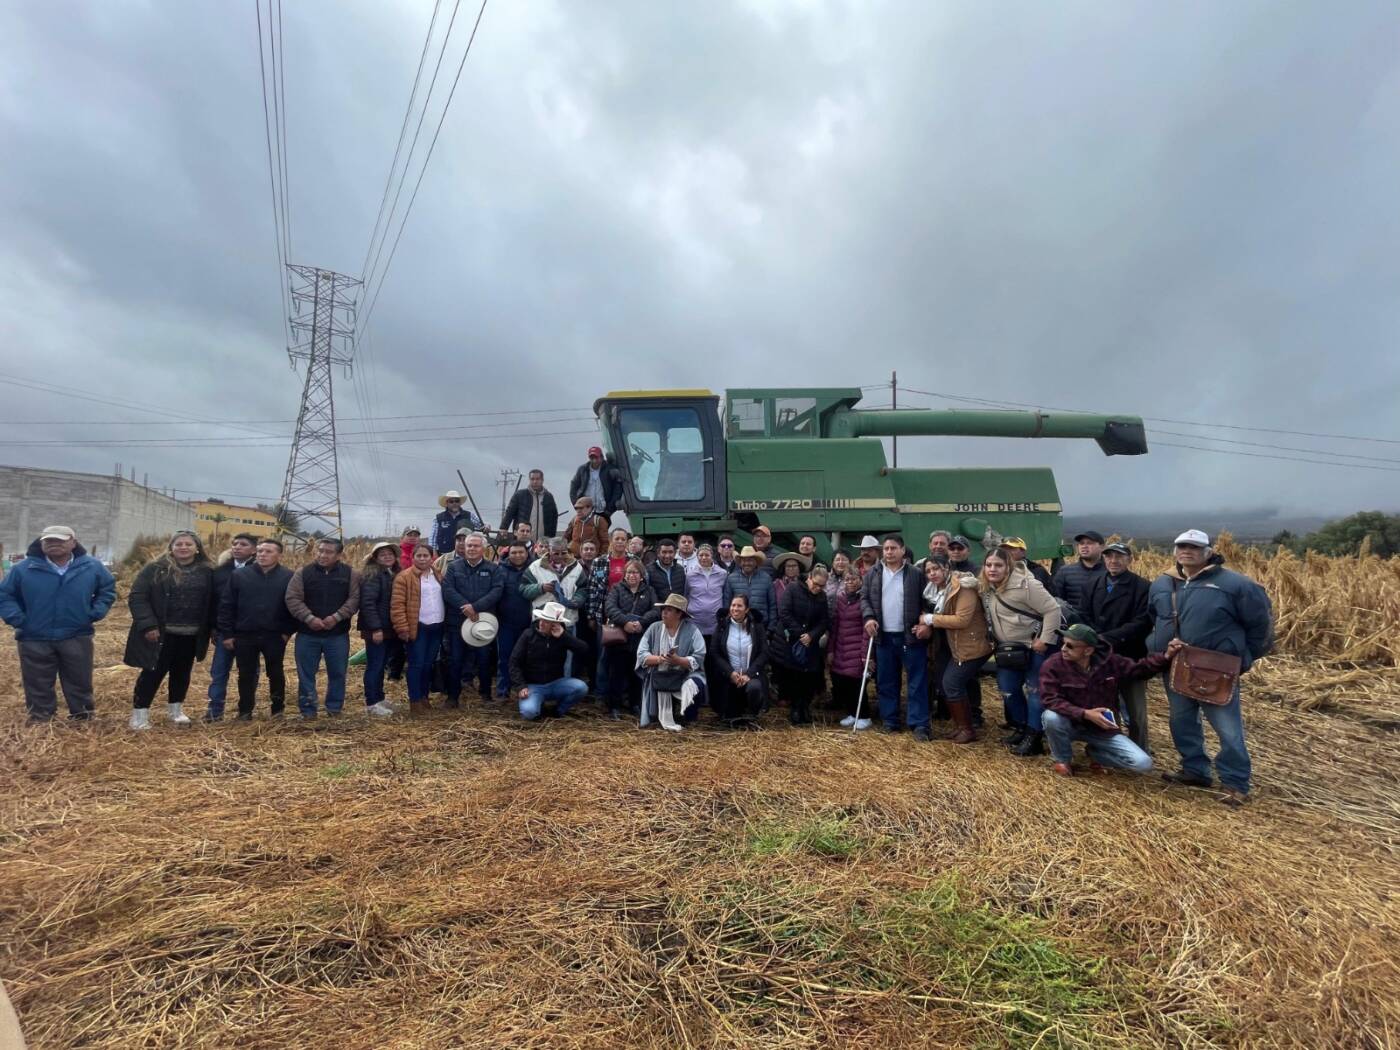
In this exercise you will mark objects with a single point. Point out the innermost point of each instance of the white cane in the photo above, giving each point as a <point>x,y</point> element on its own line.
<point>860,696</point>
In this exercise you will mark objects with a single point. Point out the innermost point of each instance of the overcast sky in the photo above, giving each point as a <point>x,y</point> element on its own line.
<point>1185,211</point>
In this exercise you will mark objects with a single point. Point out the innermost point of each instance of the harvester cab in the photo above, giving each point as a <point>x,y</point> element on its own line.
<point>807,461</point>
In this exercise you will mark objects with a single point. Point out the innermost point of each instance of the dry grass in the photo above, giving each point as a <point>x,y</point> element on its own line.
<point>465,880</point>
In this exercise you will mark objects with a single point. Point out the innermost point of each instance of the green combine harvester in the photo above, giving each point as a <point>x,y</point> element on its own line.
<point>808,461</point>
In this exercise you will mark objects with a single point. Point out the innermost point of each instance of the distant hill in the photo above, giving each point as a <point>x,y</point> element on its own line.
<point>1254,525</point>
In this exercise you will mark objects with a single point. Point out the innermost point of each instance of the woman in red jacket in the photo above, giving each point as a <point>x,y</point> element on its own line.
<point>847,647</point>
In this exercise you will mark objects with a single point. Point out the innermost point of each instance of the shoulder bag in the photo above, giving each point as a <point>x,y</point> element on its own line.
<point>1204,675</point>
<point>1014,656</point>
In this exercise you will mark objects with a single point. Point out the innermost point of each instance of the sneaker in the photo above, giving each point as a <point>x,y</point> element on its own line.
<point>921,734</point>
<point>1014,738</point>
<point>863,723</point>
<point>209,716</point>
<point>381,709</point>
<point>849,721</point>
<point>306,716</point>
<point>1032,744</point>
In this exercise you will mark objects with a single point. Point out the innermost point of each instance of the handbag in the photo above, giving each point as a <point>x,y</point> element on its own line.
<point>1205,675</point>
<point>1012,656</point>
<point>613,635</point>
<point>799,654</point>
<point>670,679</point>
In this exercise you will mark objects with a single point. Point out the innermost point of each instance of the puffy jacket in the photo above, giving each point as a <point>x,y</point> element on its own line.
<point>522,503</point>
<point>872,606</point>
<point>758,589</point>
<point>1219,610</point>
<point>964,621</point>
<point>43,606</point>
<point>479,586</point>
<point>848,644</point>
<point>569,589</point>
<point>1034,612</point>
<point>612,487</point>
<point>665,581</point>
<point>1074,580</point>
<point>513,610</point>
<point>149,601</point>
<point>594,527</point>
<point>407,600</point>
<point>376,597</point>
<point>706,593</point>
<point>802,612</point>
<point>719,649</point>
<point>256,602</point>
<point>1118,611</point>
<point>624,605</point>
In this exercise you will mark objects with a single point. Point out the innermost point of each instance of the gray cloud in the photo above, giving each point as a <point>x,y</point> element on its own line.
<point>1184,212</point>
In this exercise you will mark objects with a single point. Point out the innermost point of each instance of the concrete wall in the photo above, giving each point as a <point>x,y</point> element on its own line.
<point>108,513</point>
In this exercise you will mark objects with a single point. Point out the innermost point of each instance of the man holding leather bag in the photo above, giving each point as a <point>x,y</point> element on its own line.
<point>1226,622</point>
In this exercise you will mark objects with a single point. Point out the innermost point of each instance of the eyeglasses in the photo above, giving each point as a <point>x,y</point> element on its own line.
<point>726,546</point>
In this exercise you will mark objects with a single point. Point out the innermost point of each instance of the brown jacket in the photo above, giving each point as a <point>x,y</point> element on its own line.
<point>404,605</point>
<point>964,621</point>
<point>594,528</point>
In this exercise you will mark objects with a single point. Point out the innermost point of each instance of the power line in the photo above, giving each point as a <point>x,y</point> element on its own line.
<point>1279,448</point>
<point>277,441</point>
<point>272,170</point>
<point>1264,455</point>
<point>427,159</point>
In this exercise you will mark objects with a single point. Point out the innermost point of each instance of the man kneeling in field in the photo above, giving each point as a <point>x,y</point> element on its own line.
<point>1079,688</point>
<point>537,664</point>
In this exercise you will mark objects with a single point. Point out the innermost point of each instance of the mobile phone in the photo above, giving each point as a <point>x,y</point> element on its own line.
<point>1109,717</point>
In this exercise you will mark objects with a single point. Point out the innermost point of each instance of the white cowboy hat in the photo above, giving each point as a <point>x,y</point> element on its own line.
<point>449,494</point>
<point>550,612</point>
<point>482,632</point>
<point>868,541</point>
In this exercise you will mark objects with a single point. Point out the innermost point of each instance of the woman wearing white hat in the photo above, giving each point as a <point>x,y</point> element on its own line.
<point>671,662</point>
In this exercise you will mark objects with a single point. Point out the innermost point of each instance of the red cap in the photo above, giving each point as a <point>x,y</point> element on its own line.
<point>596,451</point>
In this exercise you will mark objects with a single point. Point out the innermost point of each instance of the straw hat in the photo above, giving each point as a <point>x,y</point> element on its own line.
<point>676,601</point>
<point>749,552</point>
<point>449,494</point>
<point>550,612</point>
<point>382,545</point>
<point>482,632</point>
<point>803,562</point>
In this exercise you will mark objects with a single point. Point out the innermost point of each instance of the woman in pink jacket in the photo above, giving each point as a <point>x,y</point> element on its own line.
<point>846,650</point>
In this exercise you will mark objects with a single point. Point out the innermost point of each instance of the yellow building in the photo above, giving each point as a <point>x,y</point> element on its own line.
<point>217,522</point>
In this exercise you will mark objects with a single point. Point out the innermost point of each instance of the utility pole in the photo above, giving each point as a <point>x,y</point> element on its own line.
<point>510,482</point>
<point>323,305</point>
<point>894,403</point>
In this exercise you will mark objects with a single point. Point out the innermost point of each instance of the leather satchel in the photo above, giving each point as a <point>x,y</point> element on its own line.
<point>613,635</point>
<point>1202,674</point>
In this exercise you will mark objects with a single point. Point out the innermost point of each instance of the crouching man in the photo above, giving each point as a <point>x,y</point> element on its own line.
<point>1079,688</point>
<point>537,664</point>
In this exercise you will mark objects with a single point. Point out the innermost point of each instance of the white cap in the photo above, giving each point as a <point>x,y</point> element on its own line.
<point>57,532</point>
<point>1194,537</point>
<point>868,541</point>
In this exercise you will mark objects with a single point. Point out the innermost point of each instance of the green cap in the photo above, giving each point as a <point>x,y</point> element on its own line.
<point>1082,632</point>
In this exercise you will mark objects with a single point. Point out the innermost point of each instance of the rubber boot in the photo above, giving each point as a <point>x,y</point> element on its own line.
<point>961,714</point>
<point>140,718</point>
<point>175,715</point>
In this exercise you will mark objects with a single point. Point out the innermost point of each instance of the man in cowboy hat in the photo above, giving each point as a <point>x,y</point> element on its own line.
<point>556,577</point>
<point>537,664</point>
<point>598,480</point>
<point>869,555</point>
<point>452,517</point>
<point>754,584</point>
<point>671,661</point>
<point>470,586</point>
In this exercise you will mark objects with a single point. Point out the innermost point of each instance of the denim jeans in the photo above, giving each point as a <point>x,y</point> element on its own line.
<point>1232,760</point>
<point>562,691</point>
<point>309,650</point>
<point>376,662</point>
<point>892,656</point>
<point>220,666</point>
<point>1020,692</point>
<point>1107,749</point>
<point>960,676</point>
<point>506,637</point>
<point>422,653</point>
<point>1132,701</point>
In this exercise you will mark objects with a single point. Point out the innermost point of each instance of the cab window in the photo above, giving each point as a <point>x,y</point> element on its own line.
<point>665,450</point>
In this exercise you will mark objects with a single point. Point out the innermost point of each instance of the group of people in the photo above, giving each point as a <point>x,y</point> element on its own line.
<point>660,632</point>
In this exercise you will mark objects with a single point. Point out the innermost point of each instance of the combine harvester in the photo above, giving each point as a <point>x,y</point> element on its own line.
<point>808,461</point>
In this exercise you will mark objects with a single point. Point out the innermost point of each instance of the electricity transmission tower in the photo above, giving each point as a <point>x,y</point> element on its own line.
<point>323,325</point>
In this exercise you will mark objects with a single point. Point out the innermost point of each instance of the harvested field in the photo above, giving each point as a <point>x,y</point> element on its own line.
<point>466,880</point>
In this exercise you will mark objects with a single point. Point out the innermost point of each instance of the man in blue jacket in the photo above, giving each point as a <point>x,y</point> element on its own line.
<point>1220,610</point>
<point>470,586</point>
<point>52,599</point>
